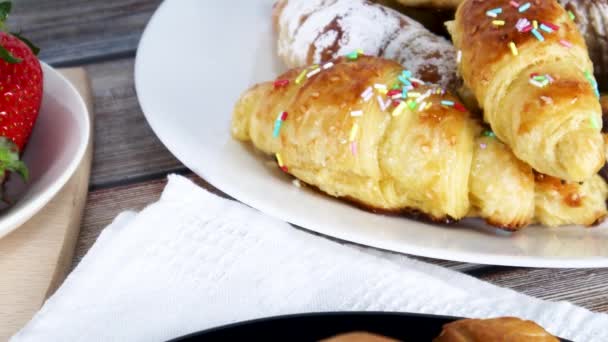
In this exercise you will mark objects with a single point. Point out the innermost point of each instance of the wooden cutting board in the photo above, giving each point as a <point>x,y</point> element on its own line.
<point>34,259</point>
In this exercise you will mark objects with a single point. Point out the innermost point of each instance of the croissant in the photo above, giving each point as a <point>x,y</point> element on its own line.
<point>535,87</point>
<point>342,134</point>
<point>318,31</point>
<point>559,202</point>
<point>591,17</point>
<point>509,329</point>
<point>501,186</point>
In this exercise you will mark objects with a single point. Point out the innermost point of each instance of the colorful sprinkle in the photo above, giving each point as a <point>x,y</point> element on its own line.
<point>524,7</point>
<point>546,28</point>
<point>353,132</point>
<point>459,107</point>
<point>514,4</point>
<point>538,35</point>
<point>527,29</point>
<point>353,55</point>
<point>593,121</point>
<point>494,12</point>
<point>280,83</point>
<point>399,109</point>
<point>413,95</point>
<point>565,43</point>
<point>521,24</point>
<point>483,146</point>
<point>447,103</point>
<point>416,80</point>
<point>353,148</point>
<point>535,24</point>
<point>328,65</point>
<point>422,106</point>
<point>513,49</point>
<point>280,162</point>
<point>489,133</point>
<point>412,104</point>
<point>378,86</point>
<point>459,56</point>
<point>301,76</point>
<point>571,15</point>
<point>313,72</point>
<point>356,113</point>
<point>277,124</point>
<point>406,73</point>
<point>593,83</point>
<point>552,26</point>
<point>498,22</point>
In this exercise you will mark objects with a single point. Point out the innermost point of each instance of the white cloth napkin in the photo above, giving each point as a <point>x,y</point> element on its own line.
<point>194,260</point>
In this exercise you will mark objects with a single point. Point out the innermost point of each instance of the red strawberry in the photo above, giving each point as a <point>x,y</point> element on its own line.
<point>20,95</point>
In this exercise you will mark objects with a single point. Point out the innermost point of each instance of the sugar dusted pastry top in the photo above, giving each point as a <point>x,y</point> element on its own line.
<point>315,31</point>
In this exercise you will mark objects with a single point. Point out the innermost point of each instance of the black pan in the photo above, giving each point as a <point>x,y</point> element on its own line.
<point>317,326</point>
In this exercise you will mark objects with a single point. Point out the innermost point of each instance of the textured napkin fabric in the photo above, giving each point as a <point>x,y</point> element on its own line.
<point>193,261</point>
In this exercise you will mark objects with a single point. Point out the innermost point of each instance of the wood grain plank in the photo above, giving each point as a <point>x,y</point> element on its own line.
<point>72,32</point>
<point>104,204</point>
<point>584,287</point>
<point>126,148</point>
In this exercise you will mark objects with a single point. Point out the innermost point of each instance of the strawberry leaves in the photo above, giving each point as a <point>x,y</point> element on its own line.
<point>5,10</point>
<point>9,159</point>
<point>27,42</point>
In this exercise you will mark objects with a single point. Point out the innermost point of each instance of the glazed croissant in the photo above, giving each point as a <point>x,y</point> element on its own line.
<point>536,88</point>
<point>320,30</point>
<point>343,135</point>
<point>344,128</point>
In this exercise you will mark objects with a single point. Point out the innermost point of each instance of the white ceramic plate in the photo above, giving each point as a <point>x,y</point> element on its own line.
<point>57,144</point>
<point>195,59</point>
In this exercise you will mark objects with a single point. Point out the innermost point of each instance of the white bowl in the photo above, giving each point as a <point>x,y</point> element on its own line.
<point>53,153</point>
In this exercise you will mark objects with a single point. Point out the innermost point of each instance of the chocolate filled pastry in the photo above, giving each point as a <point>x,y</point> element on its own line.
<point>431,3</point>
<point>533,79</point>
<point>505,329</point>
<point>317,31</point>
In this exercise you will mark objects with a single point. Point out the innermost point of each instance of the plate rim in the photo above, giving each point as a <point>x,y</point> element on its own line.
<point>410,250</point>
<point>12,221</point>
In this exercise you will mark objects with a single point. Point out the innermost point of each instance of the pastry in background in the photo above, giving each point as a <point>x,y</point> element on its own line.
<point>542,76</point>
<point>506,329</point>
<point>431,18</point>
<point>431,3</point>
<point>591,16</point>
<point>346,128</point>
<point>359,337</point>
<point>317,31</point>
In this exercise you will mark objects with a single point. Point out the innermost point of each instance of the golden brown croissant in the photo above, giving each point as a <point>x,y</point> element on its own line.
<point>560,202</point>
<point>501,186</point>
<point>343,135</point>
<point>318,31</point>
<point>504,329</point>
<point>535,86</point>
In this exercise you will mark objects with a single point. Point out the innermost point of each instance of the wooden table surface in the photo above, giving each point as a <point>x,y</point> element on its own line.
<point>130,164</point>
